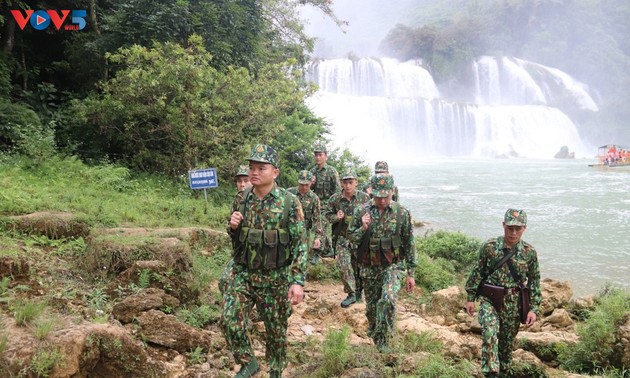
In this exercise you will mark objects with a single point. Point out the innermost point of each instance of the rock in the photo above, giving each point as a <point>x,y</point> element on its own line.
<point>542,344</point>
<point>564,153</point>
<point>555,294</point>
<point>54,225</point>
<point>560,318</point>
<point>158,328</point>
<point>145,300</point>
<point>623,335</point>
<point>14,267</point>
<point>447,303</point>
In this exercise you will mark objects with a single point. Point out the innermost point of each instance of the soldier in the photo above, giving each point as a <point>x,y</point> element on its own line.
<point>312,212</point>
<point>386,249</point>
<point>509,262</point>
<point>269,255</point>
<point>325,184</point>
<point>381,167</point>
<point>242,181</point>
<point>242,177</point>
<point>339,213</point>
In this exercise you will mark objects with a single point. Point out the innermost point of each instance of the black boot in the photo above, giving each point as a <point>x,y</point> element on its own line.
<point>350,299</point>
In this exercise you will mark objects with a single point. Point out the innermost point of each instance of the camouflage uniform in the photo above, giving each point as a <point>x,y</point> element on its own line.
<point>267,288</point>
<point>499,328</point>
<point>326,184</point>
<point>382,278</point>
<point>312,210</point>
<point>343,248</point>
<point>380,167</point>
<point>227,277</point>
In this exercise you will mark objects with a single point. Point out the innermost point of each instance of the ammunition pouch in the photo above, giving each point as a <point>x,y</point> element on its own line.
<point>496,294</point>
<point>380,251</point>
<point>262,249</point>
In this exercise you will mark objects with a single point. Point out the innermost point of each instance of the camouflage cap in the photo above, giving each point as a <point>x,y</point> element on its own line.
<point>349,173</point>
<point>382,185</point>
<point>263,153</point>
<point>515,217</point>
<point>305,177</point>
<point>381,167</point>
<point>243,170</point>
<point>319,146</point>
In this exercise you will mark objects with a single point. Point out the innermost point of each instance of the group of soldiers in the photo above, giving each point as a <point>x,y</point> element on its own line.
<point>276,231</point>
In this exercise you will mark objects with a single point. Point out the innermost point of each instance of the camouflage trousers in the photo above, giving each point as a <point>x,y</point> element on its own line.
<point>326,246</point>
<point>381,293</point>
<point>346,258</point>
<point>274,309</point>
<point>227,277</point>
<point>498,331</point>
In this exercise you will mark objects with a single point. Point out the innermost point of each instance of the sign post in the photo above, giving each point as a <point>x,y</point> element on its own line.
<point>203,179</point>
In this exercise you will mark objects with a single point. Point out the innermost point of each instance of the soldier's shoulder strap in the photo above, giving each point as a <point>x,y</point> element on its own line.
<point>398,209</point>
<point>288,200</point>
<point>241,205</point>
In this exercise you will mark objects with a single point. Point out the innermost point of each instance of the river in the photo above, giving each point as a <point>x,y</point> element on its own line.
<point>578,216</point>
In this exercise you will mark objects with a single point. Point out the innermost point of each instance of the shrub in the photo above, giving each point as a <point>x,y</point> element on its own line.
<point>413,342</point>
<point>26,311</point>
<point>336,350</point>
<point>431,274</point>
<point>598,349</point>
<point>199,316</point>
<point>44,360</point>
<point>21,130</point>
<point>457,247</point>
<point>436,366</point>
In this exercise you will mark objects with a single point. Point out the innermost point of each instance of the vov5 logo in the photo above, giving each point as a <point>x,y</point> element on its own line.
<point>41,19</point>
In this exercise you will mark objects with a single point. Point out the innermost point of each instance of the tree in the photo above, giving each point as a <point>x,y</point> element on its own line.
<point>168,110</point>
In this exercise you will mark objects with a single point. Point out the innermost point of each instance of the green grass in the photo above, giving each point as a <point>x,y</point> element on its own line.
<point>106,195</point>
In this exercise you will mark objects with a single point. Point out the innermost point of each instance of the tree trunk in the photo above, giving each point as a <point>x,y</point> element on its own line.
<point>8,34</point>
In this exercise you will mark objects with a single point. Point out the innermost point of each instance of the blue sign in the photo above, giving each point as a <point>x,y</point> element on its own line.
<point>203,178</point>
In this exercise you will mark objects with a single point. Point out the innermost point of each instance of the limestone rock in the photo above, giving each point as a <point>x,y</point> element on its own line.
<point>147,299</point>
<point>158,328</point>
<point>555,294</point>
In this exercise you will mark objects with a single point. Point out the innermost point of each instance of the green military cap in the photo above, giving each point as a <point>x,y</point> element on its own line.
<point>349,173</point>
<point>515,217</point>
<point>319,146</point>
<point>381,167</point>
<point>305,177</point>
<point>382,185</point>
<point>243,170</point>
<point>263,153</point>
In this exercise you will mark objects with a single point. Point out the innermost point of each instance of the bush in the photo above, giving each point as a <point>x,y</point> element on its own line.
<point>457,247</point>
<point>432,274</point>
<point>336,351</point>
<point>598,349</point>
<point>22,131</point>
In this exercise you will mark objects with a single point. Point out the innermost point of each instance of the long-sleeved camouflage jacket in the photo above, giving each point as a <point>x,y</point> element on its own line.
<point>312,208</point>
<point>326,182</point>
<point>266,214</point>
<point>525,262</point>
<point>383,226</point>
<point>338,202</point>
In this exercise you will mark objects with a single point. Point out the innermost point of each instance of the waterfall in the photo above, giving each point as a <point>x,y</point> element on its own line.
<point>395,110</point>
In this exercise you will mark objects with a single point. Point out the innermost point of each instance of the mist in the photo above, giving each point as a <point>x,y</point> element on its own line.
<point>368,23</point>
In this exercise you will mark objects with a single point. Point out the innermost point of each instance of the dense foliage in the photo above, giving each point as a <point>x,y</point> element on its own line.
<point>162,86</point>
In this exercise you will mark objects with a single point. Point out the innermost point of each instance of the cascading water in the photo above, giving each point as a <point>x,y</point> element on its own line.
<point>396,109</point>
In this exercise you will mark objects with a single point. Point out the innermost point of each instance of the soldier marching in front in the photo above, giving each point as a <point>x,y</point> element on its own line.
<point>510,263</point>
<point>338,212</point>
<point>269,255</point>
<point>386,251</point>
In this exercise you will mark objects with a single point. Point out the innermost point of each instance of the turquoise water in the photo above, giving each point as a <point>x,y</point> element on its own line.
<point>579,216</point>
